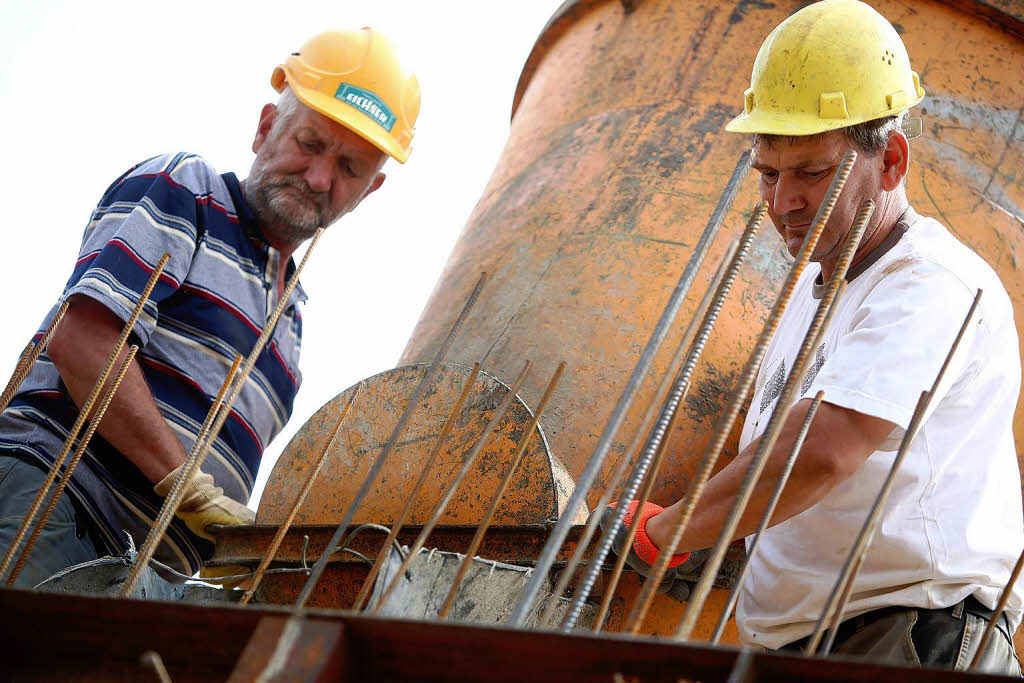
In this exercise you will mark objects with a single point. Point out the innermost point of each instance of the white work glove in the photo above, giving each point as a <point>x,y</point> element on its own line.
<point>204,504</point>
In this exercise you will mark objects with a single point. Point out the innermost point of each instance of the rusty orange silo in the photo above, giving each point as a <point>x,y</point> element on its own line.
<point>615,159</point>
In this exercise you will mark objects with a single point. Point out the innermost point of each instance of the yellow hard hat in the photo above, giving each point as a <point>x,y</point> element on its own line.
<point>833,64</point>
<point>355,78</point>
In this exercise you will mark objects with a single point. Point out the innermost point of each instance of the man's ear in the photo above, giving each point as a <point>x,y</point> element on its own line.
<point>378,180</point>
<point>267,118</point>
<point>895,161</point>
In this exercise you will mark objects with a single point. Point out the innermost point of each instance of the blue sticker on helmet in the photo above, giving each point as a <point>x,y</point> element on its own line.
<point>368,103</point>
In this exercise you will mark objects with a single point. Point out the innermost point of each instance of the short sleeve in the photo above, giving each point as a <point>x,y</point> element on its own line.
<point>142,216</point>
<point>896,342</point>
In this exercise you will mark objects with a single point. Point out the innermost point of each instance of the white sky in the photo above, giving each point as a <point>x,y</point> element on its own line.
<point>90,88</point>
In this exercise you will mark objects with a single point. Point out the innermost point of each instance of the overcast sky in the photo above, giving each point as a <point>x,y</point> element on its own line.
<point>90,88</point>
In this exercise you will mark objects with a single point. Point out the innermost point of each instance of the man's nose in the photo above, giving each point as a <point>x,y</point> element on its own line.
<point>788,196</point>
<point>318,175</point>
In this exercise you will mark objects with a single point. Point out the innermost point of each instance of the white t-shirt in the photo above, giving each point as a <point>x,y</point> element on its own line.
<point>953,525</point>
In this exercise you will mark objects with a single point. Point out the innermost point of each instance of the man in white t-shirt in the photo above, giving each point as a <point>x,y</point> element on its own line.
<point>833,77</point>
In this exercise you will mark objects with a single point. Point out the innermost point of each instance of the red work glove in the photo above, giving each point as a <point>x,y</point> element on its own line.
<point>643,546</point>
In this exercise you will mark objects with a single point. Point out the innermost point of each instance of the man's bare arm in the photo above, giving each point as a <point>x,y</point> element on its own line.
<point>133,424</point>
<point>838,443</point>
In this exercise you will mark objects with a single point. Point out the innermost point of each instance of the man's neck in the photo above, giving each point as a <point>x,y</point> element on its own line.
<point>890,207</point>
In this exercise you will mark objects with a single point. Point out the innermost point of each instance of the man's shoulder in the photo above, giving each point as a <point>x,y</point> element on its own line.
<point>182,171</point>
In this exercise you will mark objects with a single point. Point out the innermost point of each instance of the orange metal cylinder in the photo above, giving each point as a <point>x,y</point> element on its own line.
<point>615,159</point>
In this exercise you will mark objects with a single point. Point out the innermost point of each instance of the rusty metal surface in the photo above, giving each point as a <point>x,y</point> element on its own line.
<point>538,491</point>
<point>613,163</point>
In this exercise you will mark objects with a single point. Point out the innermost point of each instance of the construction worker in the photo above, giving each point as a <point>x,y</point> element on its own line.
<point>345,105</point>
<point>835,77</point>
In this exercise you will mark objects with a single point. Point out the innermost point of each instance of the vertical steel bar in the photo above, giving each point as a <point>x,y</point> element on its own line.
<point>214,421</point>
<point>743,388</point>
<point>848,574</point>
<point>596,461</point>
<point>188,470</point>
<point>646,423</point>
<point>72,464</point>
<point>467,464</point>
<point>279,535</point>
<point>769,511</point>
<point>413,496</point>
<point>768,439</point>
<point>153,660</point>
<point>29,357</point>
<point>83,412</point>
<point>656,445</point>
<point>321,563</point>
<point>481,529</point>
<point>1004,597</point>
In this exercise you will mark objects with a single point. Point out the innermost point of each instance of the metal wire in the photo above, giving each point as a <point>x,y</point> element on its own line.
<point>798,443</point>
<point>467,463</point>
<point>83,413</point>
<point>654,451</point>
<point>364,488</point>
<point>1004,597</point>
<point>743,388</point>
<point>848,574</point>
<point>413,496</point>
<point>646,423</point>
<point>72,464</point>
<point>594,465</point>
<point>766,442</point>
<point>29,357</point>
<point>481,529</point>
<point>279,535</point>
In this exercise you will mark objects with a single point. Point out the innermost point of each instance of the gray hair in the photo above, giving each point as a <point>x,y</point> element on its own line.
<point>287,106</point>
<point>870,137</point>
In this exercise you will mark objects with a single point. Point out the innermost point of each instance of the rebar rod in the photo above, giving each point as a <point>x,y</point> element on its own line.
<point>83,413</point>
<point>997,614</point>
<point>848,573</point>
<point>646,423</point>
<point>467,464</point>
<point>153,660</point>
<point>413,495</point>
<point>654,450</point>
<point>29,357</point>
<point>76,457</point>
<point>218,414</point>
<point>513,465</point>
<point>282,530</point>
<point>740,394</point>
<point>766,442</point>
<point>188,469</point>
<point>798,443</point>
<point>596,462</point>
<point>321,563</point>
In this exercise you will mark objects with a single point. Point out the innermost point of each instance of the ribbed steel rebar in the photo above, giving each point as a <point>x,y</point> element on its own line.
<point>414,494</point>
<point>766,442</point>
<point>654,450</point>
<point>798,443</point>
<point>836,602</point>
<point>282,530</point>
<point>108,395</point>
<point>594,465</point>
<point>29,357</point>
<point>467,464</point>
<point>83,412</point>
<point>513,465</point>
<point>321,563</point>
<point>743,387</point>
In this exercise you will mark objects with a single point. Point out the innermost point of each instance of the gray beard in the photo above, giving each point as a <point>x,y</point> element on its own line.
<point>280,210</point>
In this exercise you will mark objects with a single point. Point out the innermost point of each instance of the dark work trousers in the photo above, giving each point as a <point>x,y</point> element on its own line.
<point>944,638</point>
<point>63,542</point>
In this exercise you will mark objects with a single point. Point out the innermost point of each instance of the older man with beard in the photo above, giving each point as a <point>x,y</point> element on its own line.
<point>345,105</point>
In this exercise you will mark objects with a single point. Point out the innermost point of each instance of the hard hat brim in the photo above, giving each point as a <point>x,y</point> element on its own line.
<point>353,119</point>
<point>772,123</point>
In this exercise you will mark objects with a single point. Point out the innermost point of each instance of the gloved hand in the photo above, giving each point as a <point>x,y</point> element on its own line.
<point>204,504</point>
<point>643,553</point>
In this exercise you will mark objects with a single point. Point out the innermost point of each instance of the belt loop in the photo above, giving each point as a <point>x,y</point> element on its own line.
<point>958,610</point>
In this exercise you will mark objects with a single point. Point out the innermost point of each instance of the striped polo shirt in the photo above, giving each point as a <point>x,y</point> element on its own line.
<point>211,302</point>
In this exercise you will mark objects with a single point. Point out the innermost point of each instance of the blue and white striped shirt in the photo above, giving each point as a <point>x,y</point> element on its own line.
<point>211,302</point>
